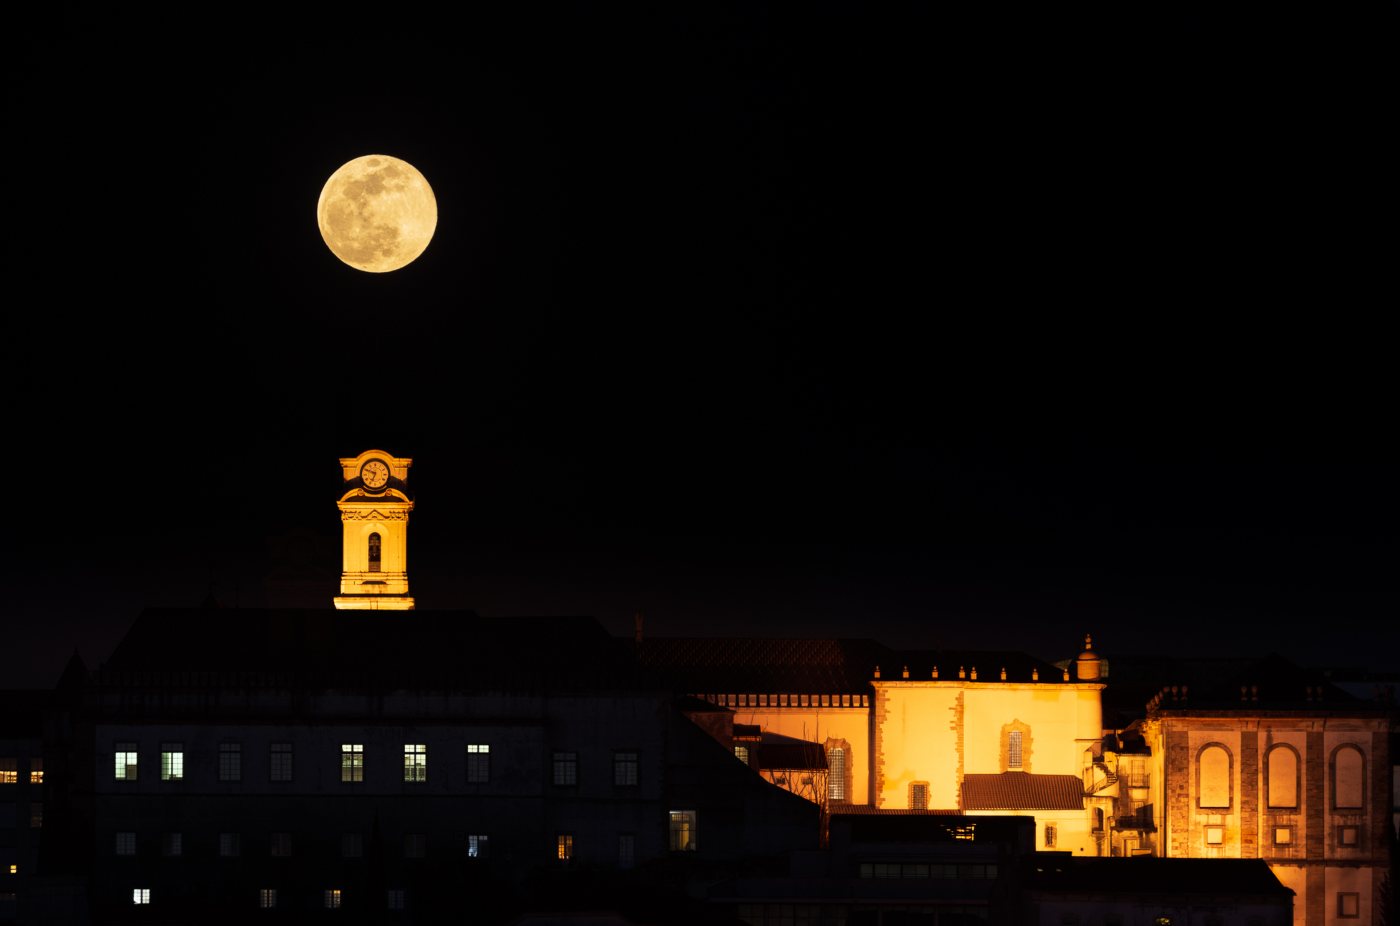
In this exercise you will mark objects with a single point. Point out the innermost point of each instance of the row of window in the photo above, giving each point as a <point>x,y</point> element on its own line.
<point>682,837</point>
<point>9,770</point>
<point>1215,777</point>
<point>890,870</point>
<point>1348,836</point>
<point>565,765</point>
<point>352,845</point>
<point>333,898</point>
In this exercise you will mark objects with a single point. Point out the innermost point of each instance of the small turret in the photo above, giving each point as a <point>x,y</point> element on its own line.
<point>1087,666</point>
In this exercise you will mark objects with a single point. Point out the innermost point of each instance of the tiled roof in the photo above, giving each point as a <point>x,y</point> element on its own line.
<point>1022,791</point>
<point>453,650</point>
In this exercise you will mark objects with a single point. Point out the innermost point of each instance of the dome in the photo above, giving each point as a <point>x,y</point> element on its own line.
<point>1087,665</point>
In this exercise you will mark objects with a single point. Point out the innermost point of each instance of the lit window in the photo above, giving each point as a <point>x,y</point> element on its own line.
<point>36,770</point>
<point>836,774</point>
<point>625,765</point>
<point>1050,834</point>
<point>281,762</point>
<point>1348,774</point>
<point>1213,777</point>
<point>352,762</point>
<point>267,898</point>
<point>352,845</point>
<point>415,845</point>
<point>564,847</point>
<point>281,844</point>
<point>1348,904</point>
<point>1348,836</point>
<point>14,869</point>
<point>230,761</point>
<point>476,845</point>
<point>333,898</point>
<point>566,768</point>
<point>36,816</point>
<point>396,900</point>
<point>141,895</point>
<point>626,850</point>
<point>172,844</point>
<point>1215,835</point>
<point>918,795</point>
<point>683,831</point>
<point>374,552</point>
<point>9,771</point>
<point>478,763</point>
<point>230,845</point>
<point>1162,921</point>
<point>415,762</point>
<point>126,761</point>
<point>742,753</point>
<point>172,762</point>
<point>126,843</point>
<point>1013,749</point>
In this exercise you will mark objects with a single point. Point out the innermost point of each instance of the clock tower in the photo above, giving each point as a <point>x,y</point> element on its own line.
<point>374,507</point>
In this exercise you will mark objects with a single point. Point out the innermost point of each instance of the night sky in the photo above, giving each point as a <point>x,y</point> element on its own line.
<point>948,329</point>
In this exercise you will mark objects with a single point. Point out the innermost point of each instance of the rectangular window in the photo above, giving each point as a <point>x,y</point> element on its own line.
<point>1349,836</point>
<point>126,843</point>
<point>333,897</point>
<point>396,900</point>
<point>1283,835</point>
<point>36,770</point>
<point>126,761</point>
<point>918,796</point>
<point>683,831</point>
<point>478,763</point>
<point>230,845</point>
<point>1215,835</point>
<point>1348,904</point>
<point>1013,749</point>
<point>625,769</point>
<point>626,850</point>
<point>564,847</point>
<point>141,895</point>
<point>836,774</point>
<point>415,845</point>
<point>230,761</point>
<point>9,771</point>
<point>1050,834</point>
<point>352,845</point>
<point>281,845</point>
<point>415,762</point>
<point>352,762</point>
<point>172,762</point>
<point>172,845</point>
<point>281,762</point>
<point>267,898</point>
<point>742,754</point>
<point>476,845</point>
<point>566,768</point>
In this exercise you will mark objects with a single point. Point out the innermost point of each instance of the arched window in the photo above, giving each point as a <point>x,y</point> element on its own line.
<point>1016,747</point>
<point>374,552</point>
<point>1348,778</point>
<point>1013,750</point>
<point>1213,774</point>
<point>1283,777</point>
<point>836,774</point>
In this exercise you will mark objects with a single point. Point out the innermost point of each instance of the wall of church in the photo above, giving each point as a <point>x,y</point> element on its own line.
<point>918,741</point>
<point>822,725</point>
<point>1061,719</point>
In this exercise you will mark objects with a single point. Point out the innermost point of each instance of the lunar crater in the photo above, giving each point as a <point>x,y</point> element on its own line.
<point>377,213</point>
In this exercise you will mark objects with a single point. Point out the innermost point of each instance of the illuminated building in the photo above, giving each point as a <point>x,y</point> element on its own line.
<point>374,508</point>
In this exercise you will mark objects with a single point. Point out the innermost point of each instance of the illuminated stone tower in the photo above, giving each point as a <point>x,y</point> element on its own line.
<point>374,507</point>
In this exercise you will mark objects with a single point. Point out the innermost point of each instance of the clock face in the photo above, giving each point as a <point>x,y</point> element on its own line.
<point>374,474</point>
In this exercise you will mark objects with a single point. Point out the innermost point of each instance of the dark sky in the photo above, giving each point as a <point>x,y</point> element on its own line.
<point>963,329</point>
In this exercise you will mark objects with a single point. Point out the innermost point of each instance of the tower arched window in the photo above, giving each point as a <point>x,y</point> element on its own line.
<point>1348,778</point>
<point>374,556</point>
<point>1283,777</point>
<point>1214,771</point>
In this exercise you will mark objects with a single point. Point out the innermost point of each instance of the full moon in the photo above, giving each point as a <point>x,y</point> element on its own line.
<point>377,213</point>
